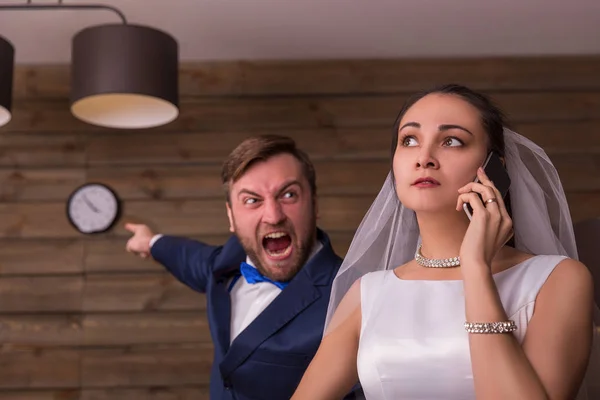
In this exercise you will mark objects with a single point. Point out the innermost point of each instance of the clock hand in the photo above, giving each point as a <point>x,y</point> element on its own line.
<point>89,203</point>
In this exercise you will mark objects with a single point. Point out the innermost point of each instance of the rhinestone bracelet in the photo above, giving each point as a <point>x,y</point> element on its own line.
<point>490,327</point>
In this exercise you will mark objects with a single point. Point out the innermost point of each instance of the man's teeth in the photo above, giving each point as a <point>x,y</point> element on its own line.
<point>275,235</point>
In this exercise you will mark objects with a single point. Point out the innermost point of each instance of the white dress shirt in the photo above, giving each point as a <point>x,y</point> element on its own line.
<point>249,300</point>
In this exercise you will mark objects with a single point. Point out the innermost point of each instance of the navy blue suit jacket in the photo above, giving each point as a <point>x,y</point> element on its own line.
<point>268,358</point>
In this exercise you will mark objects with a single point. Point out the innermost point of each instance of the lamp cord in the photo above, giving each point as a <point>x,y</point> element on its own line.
<point>60,6</point>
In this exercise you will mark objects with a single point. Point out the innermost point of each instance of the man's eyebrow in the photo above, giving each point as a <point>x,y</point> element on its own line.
<point>286,185</point>
<point>246,191</point>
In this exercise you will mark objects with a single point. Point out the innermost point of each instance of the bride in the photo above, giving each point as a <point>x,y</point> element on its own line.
<point>433,304</point>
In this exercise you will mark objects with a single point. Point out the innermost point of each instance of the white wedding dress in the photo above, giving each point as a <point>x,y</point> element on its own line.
<point>413,345</point>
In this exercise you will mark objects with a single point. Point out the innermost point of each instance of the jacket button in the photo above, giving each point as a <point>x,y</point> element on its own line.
<point>227,384</point>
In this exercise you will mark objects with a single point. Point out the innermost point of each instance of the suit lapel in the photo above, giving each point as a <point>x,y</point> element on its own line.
<point>298,295</point>
<point>222,314</point>
<point>219,303</point>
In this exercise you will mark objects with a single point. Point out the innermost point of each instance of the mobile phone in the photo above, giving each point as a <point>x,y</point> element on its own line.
<point>496,172</point>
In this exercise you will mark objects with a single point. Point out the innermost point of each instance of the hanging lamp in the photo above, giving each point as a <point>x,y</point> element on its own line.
<point>7,61</point>
<point>124,76</point>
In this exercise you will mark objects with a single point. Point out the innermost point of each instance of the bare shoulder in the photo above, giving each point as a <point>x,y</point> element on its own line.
<point>573,274</point>
<point>571,280</point>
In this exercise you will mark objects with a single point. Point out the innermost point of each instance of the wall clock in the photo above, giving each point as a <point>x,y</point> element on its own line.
<point>93,208</point>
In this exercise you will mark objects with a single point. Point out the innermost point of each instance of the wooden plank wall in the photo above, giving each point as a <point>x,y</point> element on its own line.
<point>82,319</point>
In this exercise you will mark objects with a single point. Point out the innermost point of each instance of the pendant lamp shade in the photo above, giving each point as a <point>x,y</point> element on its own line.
<point>124,76</point>
<point>7,61</point>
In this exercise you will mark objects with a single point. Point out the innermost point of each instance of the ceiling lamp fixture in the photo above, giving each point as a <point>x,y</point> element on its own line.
<point>123,76</point>
<point>7,61</point>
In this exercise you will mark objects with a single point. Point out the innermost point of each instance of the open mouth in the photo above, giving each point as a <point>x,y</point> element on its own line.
<point>277,245</point>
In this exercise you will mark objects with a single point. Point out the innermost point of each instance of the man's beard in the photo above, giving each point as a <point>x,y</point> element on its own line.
<point>301,250</point>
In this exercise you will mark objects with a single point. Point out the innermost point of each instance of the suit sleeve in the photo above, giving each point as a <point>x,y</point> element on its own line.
<point>188,260</point>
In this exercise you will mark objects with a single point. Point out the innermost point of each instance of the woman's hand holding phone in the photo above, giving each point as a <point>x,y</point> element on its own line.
<point>490,227</point>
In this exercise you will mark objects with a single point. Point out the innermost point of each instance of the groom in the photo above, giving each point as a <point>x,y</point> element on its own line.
<point>268,286</point>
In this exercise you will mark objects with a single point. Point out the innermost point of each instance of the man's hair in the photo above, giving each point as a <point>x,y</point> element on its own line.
<point>261,148</point>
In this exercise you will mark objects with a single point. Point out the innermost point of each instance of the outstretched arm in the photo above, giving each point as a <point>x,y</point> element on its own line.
<point>332,373</point>
<point>188,260</point>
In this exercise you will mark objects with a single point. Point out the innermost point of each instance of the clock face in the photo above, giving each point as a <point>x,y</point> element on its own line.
<point>93,208</point>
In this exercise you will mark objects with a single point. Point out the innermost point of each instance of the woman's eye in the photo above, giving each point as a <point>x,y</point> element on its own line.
<point>409,141</point>
<point>452,142</point>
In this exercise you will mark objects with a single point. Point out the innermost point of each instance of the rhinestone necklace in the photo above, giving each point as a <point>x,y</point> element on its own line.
<point>435,263</point>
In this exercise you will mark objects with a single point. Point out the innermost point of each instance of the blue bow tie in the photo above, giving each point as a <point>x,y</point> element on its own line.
<point>252,276</point>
